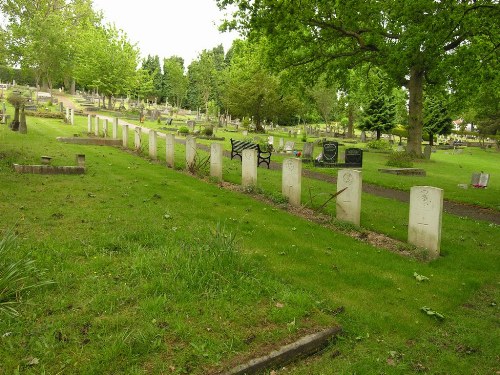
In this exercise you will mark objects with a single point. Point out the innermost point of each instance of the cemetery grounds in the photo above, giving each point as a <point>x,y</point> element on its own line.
<point>155,270</point>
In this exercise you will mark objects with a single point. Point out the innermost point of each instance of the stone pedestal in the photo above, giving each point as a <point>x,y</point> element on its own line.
<point>152,145</point>
<point>426,210</point>
<point>249,168</point>
<point>216,161</point>
<point>125,135</point>
<point>291,185</point>
<point>170,150</point>
<point>349,201</point>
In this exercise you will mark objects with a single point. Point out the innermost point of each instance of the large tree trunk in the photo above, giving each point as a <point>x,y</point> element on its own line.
<point>416,89</point>
<point>72,90</point>
<point>23,129</point>
<point>431,139</point>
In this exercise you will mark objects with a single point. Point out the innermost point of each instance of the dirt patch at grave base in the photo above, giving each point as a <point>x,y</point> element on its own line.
<point>375,239</point>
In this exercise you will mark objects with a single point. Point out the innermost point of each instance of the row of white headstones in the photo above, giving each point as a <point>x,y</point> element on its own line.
<point>426,202</point>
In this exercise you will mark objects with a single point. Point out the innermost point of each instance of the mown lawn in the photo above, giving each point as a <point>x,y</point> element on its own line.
<point>157,271</point>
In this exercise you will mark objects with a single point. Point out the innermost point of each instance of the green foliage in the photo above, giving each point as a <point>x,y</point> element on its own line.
<point>45,114</point>
<point>208,131</point>
<point>183,130</point>
<point>17,277</point>
<point>436,117</point>
<point>379,144</point>
<point>400,159</point>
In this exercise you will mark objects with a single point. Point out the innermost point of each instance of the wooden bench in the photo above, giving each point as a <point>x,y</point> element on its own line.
<point>237,148</point>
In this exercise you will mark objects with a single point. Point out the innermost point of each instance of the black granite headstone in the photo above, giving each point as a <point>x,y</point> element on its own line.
<point>330,152</point>
<point>353,157</point>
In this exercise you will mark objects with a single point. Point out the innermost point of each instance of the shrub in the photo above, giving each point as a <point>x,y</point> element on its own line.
<point>45,114</point>
<point>379,144</point>
<point>400,159</point>
<point>208,131</point>
<point>183,130</point>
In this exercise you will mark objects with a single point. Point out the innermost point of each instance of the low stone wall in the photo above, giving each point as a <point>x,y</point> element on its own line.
<point>91,141</point>
<point>48,169</point>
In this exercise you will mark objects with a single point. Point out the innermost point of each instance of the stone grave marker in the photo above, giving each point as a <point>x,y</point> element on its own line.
<point>475,179</point>
<point>115,128</point>
<point>72,116</point>
<point>426,209</point>
<point>353,157</point>
<point>105,128</point>
<point>170,149</point>
<point>270,140</point>
<point>125,135</point>
<point>348,202</point>
<point>190,151</point>
<point>191,124</point>
<point>289,146</point>
<point>80,160</point>
<point>307,151</point>
<point>216,161</point>
<point>96,127</point>
<point>363,136</point>
<point>89,123</point>
<point>152,145</point>
<point>484,178</point>
<point>427,152</point>
<point>249,168</point>
<point>137,138</point>
<point>330,152</point>
<point>245,133</point>
<point>67,114</point>
<point>281,143</point>
<point>291,180</point>
<point>61,107</point>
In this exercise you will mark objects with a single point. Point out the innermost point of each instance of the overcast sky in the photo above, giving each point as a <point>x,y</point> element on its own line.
<point>168,27</point>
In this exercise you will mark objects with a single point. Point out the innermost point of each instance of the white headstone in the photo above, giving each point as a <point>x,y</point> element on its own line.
<point>349,201</point>
<point>105,128</point>
<point>96,130</point>
<point>67,114</point>
<point>282,143</point>
<point>152,145</point>
<point>291,184</point>
<point>137,138</point>
<point>426,209</point>
<point>170,149</point>
<point>249,168</point>
<point>270,140</point>
<point>125,135</point>
<point>72,116</point>
<point>216,161</point>
<point>89,123</point>
<point>115,128</point>
<point>245,133</point>
<point>190,151</point>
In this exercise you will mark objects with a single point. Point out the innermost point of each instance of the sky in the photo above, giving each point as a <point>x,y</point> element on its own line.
<point>168,27</point>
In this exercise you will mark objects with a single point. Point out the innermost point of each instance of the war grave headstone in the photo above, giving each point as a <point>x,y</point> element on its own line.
<point>105,128</point>
<point>137,138</point>
<point>216,161</point>
<point>249,167</point>
<point>190,151</point>
<point>353,157</point>
<point>348,202</point>
<point>96,127</point>
<point>291,180</point>
<point>426,209</point>
<point>115,128</point>
<point>125,135</point>
<point>89,124</point>
<point>152,144</point>
<point>170,149</point>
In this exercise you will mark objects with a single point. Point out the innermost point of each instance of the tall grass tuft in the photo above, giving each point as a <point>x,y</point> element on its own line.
<point>16,276</point>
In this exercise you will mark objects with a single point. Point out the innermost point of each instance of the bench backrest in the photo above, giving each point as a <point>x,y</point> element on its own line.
<point>243,145</point>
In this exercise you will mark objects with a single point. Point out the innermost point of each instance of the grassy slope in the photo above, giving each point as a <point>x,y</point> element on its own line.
<point>119,306</point>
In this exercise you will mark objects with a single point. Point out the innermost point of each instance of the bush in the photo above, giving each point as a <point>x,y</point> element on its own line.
<point>379,144</point>
<point>183,130</point>
<point>400,159</point>
<point>208,131</point>
<point>45,114</point>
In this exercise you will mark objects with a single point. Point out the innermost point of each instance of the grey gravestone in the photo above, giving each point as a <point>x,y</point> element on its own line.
<point>330,152</point>
<point>354,157</point>
<point>363,136</point>
<point>427,152</point>
<point>475,179</point>
<point>484,178</point>
<point>307,151</point>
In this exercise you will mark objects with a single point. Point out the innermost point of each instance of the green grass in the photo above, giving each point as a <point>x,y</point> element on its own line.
<point>156,271</point>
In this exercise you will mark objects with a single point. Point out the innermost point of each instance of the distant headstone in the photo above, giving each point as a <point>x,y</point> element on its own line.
<point>363,136</point>
<point>96,130</point>
<point>216,161</point>
<point>270,140</point>
<point>170,149</point>
<point>427,151</point>
<point>291,180</point>
<point>330,152</point>
<point>282,143</point>
<point>307,151</point>
<point>191,125</point>
<point>245,133</point>
<point>426,209</point>
<point>354,157</point>
<point>289,146</point>
<point>475,179</point>
<point>169,121</point>
<point>249,168</point>
<point>484,178</point>
<point>349,201</point>
<point>80,160</point>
